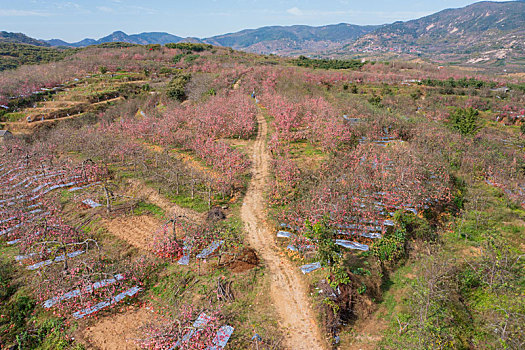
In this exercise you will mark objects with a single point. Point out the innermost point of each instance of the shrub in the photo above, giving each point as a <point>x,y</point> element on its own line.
<point>303,61</point>
<point>391,247</point>
<point>177,86</point>
<point>416,94</point>
<point>153,47</point>
<point>465,120</point>
<point>177,58</point>
<point>189,47</point>
<point>191,58</point>
<point>351,87</point>
<point>375,101</point>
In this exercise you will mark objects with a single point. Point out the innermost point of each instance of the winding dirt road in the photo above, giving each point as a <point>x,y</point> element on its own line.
<point>289,292</point>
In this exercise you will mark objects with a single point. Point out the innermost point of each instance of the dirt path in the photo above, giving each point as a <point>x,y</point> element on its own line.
<point>289,292</point>
<point>140,189</point>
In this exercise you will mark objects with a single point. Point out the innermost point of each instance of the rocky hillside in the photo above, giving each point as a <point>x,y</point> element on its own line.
<point>480,32</point>
<point>291,39</point>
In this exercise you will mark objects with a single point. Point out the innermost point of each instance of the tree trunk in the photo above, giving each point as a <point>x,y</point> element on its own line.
<point>209,195</point>
<point>108,201</point>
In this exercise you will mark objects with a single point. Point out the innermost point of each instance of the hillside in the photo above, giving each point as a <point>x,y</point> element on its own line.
<point>119,36</point>
<point>485,32</point>
<point>13,55</point>
<point>19,38</point>
<point>291,39</point>
<point>481,32</point>
<point>148,200</point>
<point>276,39</point>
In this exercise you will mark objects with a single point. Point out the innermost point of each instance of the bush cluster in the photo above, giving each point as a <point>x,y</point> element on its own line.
<point>177,86</point>
<point>304,61</point>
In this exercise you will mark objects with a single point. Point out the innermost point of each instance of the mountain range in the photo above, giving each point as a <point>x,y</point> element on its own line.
<point>481,32</point>
<point>119,36</point>
<point>19,38</point>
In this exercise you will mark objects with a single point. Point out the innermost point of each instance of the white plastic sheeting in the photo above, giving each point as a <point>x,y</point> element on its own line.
<point>91,203</point>
<point>77,292</point>
<point>310,267</point>
<point>114,300</point>
<point>221,339</point>
<point>210,249</point>
<point>198,324</point>
<point>351,245</point>
<point>73,189</point>
<point>185,260</point>
<point>51,261</point>
<point>284,234</point>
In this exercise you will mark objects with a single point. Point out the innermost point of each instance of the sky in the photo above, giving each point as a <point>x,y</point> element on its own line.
<point>76,20</point>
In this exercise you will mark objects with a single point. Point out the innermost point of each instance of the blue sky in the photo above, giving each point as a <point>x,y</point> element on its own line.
<point>76,20</point>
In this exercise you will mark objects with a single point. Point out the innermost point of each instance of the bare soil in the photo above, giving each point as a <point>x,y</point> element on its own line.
<point>136,230</point>
<point>289,291</point>
<point>118,332</point>
<point>244,261</point>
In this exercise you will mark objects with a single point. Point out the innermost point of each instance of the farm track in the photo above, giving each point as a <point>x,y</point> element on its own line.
<point>141,190</point>
<point>289,292</point>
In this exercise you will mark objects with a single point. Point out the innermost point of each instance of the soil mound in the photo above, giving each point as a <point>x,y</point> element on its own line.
<point>246,260</point>
<point>215,214</point>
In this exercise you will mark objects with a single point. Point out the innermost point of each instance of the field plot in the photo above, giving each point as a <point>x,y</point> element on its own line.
<point>212,199</point>
<point>90,94</point>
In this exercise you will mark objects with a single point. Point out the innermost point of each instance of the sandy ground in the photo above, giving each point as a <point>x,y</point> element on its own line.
<point>138,231</point>
<point>289,292</point>
<point>119,331</point>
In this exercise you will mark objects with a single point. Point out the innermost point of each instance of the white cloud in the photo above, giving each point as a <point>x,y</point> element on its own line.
<point>295,11</point>
<point>105,9</point>
<point>142,10</point>
<point>23,13</point>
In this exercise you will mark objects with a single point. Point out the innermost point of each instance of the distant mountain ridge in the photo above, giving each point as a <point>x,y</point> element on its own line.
<point>482,31</point>
<point>478,33</point>
<point>287,39</point>
<point>281,39</point>
<point>19,38</point>
<point>475,29</point>
<point>119,36</point>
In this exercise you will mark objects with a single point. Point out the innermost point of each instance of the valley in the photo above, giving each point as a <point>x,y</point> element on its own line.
<point>191,196</point>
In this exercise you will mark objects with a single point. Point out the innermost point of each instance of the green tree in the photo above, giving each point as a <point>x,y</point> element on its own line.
<point>465,120</point>
<point>177,86</point>
<point>328,253</point>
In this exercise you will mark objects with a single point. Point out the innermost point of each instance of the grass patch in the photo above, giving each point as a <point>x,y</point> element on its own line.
<point>65,196</point>
<point>13,117</point>
<point>196,203</point>
<point>143,208</point>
